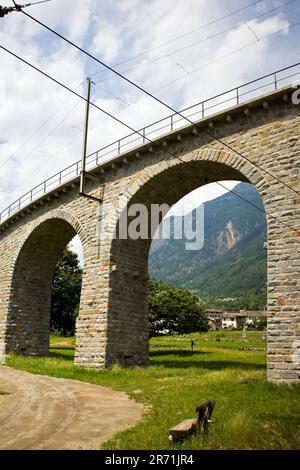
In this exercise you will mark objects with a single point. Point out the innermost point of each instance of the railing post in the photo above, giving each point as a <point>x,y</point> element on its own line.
<point>275,81</point>
<point>97,158</point>
<point>59,178</point>
<point>144,135</point>
<point>77,169</point>
<point>203,110</point>
<point>172,122</point>
<point>119,146</point>
<point>237,96</point>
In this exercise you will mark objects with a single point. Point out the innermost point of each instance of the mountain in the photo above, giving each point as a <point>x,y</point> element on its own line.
<point>232,262</point>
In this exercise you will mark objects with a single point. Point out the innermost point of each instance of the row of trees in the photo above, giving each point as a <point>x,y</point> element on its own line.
<point>170,309</point>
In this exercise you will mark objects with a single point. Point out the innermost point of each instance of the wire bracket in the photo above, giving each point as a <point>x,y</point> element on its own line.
<point>6,10</point>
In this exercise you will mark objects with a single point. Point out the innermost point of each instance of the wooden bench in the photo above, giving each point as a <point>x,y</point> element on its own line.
<point>204,414</point>
<point>183,430</point>
<point>189,426</point>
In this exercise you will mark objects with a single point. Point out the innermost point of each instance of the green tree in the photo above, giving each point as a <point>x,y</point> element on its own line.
<point>65,294</point>
<point>261,324</point>
<point>174,309</point>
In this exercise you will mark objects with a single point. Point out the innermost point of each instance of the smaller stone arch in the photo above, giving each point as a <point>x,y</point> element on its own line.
<point>28,318</point>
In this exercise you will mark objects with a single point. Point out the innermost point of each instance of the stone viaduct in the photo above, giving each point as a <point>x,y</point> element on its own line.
<point>112,324</point>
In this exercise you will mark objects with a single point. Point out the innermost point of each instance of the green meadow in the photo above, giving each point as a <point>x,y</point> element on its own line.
<point>250,413</point>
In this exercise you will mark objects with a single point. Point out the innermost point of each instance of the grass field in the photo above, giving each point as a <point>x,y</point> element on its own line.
<point>250,413</point>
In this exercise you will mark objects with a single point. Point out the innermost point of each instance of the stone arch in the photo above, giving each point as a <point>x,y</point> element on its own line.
<point>28,319</point>
<point>53,214</point>
<point>211,161</point>
<point>167,181</point>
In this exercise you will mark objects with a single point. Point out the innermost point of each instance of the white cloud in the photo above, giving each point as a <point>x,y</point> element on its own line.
<point>199,196</point>
<point>76,246</point>
<point>107,42</point>
<point>116,31</point>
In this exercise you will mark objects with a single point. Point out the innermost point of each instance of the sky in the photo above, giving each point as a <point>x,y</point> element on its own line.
<point>182,51</point>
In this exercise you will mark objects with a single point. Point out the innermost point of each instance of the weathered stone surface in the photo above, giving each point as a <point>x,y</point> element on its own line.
<point>112,324</point>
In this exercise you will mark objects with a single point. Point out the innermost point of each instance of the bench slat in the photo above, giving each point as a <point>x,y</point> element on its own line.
<point>184,428</point>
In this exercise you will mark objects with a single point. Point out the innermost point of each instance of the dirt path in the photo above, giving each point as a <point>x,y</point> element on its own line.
<point>43,412</point>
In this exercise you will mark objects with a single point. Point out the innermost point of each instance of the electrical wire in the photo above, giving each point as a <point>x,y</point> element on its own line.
<point>159,58</point>
<point>38,129</point>
<point>41,142</point>
<point>181,36</point>
<point>201,41</point>
<point>55,154</point>
<point>129,127</point>
<point>210,134</point>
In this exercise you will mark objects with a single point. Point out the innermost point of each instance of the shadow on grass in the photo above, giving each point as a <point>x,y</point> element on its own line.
<point>181,363</point>
<point>61,355</point>
<point>178,352</point>
<point>211,365</point>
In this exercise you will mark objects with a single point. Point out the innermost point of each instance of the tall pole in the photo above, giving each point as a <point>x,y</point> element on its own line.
<point>85,136</point>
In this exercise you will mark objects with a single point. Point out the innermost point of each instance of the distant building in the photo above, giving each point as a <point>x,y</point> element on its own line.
<point>252,316</point>
<point>214,316</point>
<point>229,321</point>
<point>218,319</point>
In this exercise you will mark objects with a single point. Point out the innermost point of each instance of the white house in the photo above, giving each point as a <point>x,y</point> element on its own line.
<point>229,321</point>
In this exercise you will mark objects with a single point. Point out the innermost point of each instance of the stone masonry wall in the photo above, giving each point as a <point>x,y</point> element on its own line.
<point>112,323</point>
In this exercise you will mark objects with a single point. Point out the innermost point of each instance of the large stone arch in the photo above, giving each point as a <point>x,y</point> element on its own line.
<point>166,182</point>
<point>28,319</point>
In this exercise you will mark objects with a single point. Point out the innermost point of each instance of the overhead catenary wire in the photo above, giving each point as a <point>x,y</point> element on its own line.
<point>201,41</point>
<point>44,138</point>
<point>57,152</point>
<point>53,129</point>
<point>181,36</point>
<point>133,130</point>
<point>22,145</point>
<point>178,50</point>
<point>131,82</point>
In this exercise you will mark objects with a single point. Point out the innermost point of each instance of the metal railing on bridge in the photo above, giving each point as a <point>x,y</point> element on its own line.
<point>204,109</point>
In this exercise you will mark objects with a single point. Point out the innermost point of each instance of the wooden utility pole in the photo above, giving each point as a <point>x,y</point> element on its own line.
<point>85,136</point>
